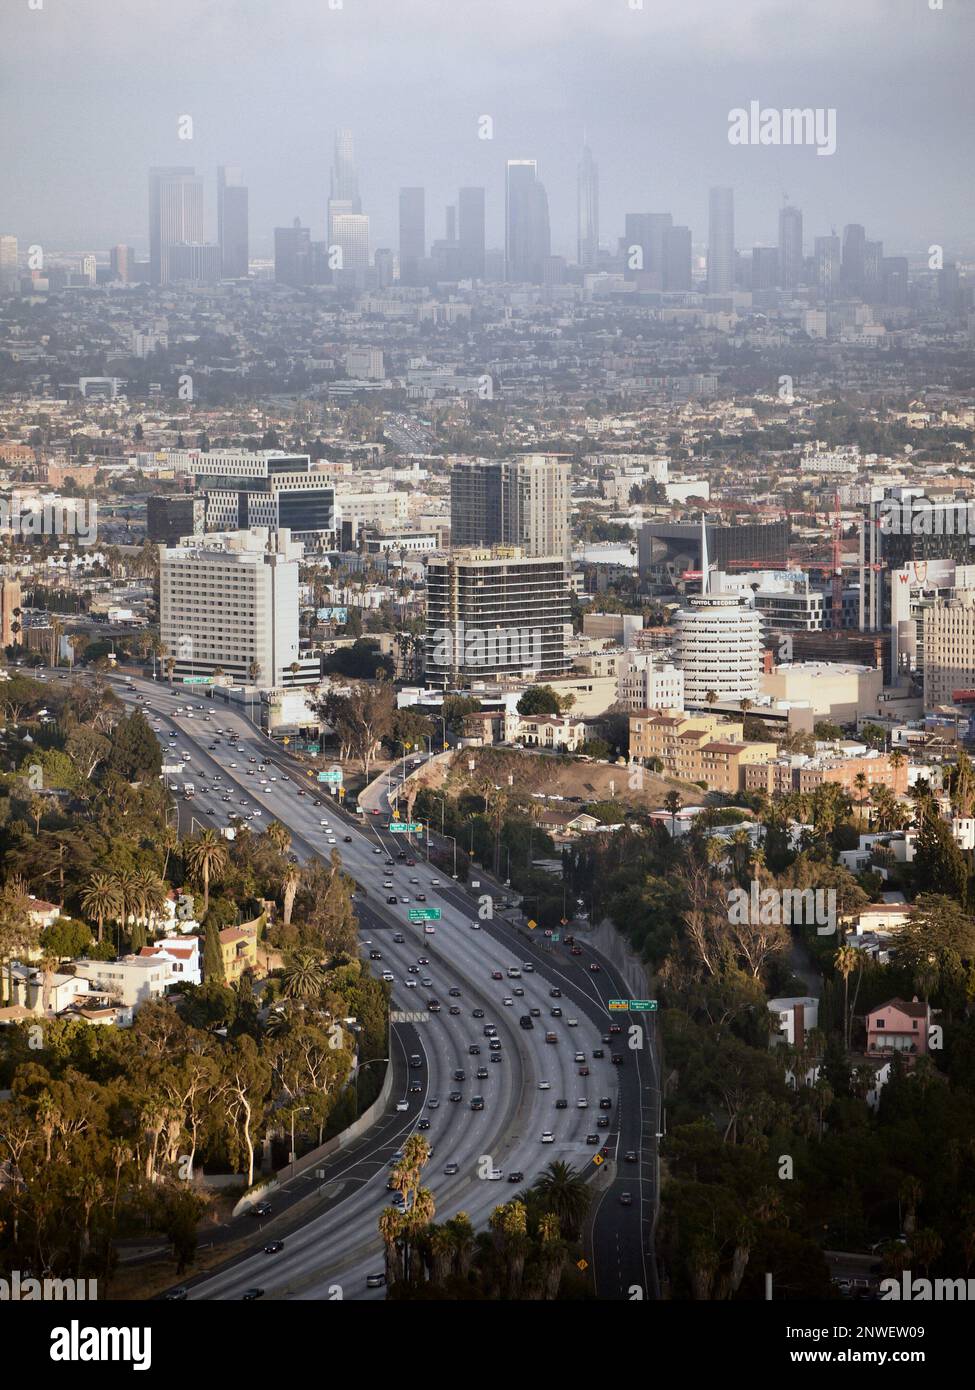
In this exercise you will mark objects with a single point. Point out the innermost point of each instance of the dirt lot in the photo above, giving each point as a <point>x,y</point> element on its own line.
<point>561,776</point>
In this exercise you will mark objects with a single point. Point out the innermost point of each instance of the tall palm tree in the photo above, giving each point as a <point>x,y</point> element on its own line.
<point>101,900</point>
<point>846,960</point>
<point>279,835</point>
<point>673,803</point>
<point>289,887</point>
<point>860,782</point>
<point>152,895</point>
<point>206,857</point>
<point>563,1191</point>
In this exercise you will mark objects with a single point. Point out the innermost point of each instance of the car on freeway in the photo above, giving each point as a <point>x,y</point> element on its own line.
<point>495,1057</point>
<point>392,901</point>
<point>415,1087</point>
<point>476,926</point>
<point>399,938</point>
<point>575,951</point>
<point>454,1010</point>
<point>495,1175</point>
<point>455,1096</point>
<point>404,901</point>
<point>516,1176</point>
<point>582,1103</point>
<point>630,1156</point>
<point>494,1045</point>
<point>615,1028</point>
<point>377,851</point>
<point>545,1085</point>
<point>375,955</point>
<point>579,1057</point>
<point>410,984</point>
<point>402,1105</point>
<point>453,992</point>
<point>460,1074</point>
<point>423,960</point>
<point>482,1073</point>
<point>423,1124</point>
<point>413,969</point>
<point>496,975</point>
<point>375,1281</point>
<point>450,1169</point>
<point>435,883</point>
<point>592,1140</point>
<point>626,1199</point>
<point>477,1102</point>
<point>518,993</point>
<point>572,1023</point>
<point>261,1209</point>
<point>507,1002</point>
<point>273,1246</point>
<point>388,976</point>
<point>556,1012</point>
<point>548,1137</point>
<point>583,1071</point>
<point>414,880</point>
<point>347,839</point>
<point>421,897</point>
<point>617,1059</point>
<point>561,1103</point>
<point>598,1052</point>
<point>249,1295</point>
<point>602,1122</point>
<point>176,1295</point>
<point>477,1013</point>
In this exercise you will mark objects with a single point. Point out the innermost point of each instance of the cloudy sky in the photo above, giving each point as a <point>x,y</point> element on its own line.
<point>91,92</point>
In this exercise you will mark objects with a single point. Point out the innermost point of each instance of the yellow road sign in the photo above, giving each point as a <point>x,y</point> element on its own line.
<point>582,1264</point>
<point>532,925</point>
<point>598,1159</point>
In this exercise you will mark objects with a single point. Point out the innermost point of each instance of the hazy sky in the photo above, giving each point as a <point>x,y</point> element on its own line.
<point>91,92</point>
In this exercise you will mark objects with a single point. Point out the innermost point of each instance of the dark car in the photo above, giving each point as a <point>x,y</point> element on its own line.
<point>455,1096</point>
<point>630,1156</point>
<point>273,1246</point>
<point>453,993</point>
<point>594,967</point>
<point>482,1073</point>
<point>460,1074</point>
<point>598,1052</point>
<point>556,1012</point>
<point>477,1102</point>
<point>583,1071</point>
<point>347,840</point>
<point>592,1140</point>
<point>602,1122</point>
<point>617,1059</point>
<point>399,938</point>
<point>615,1028</point>
<point>555,993</point>
<point>495,1045</point>
<point>454,1009</point>
<point>605,1103</point>
<point>576,951</point>
<point>516,1176</point>
<point>249,1295</point>
<point>421,897</point>
<point>423,1124</point>
<point>474,1050</point>
<point>415,1088</point>
<point>416,1060</point>
<point>626,1199</point>
<point>496,975</point>
<point>561,1104</point>
<point>478,1013</point>
<point>375,955</point>
<point>392,900</point>
<point>261,1209</point>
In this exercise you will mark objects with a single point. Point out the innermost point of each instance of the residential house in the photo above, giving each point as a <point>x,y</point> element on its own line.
<point>898,1027</point>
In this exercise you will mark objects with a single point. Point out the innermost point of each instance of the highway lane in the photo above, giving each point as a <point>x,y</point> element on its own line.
<point>508,1131</point>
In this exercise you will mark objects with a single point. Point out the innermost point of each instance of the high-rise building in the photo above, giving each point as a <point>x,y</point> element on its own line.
<point>721,241</point>
<point>292,254</point>
<point>678,261</point>
<point>89,269</point>
<point>527,234</point>
<point>765,268</point>
<point>648,232</point>
<point>853,267</point>
<point>229,603</point>
<point>8,263</point>
<point>470,231</point>
<point>232,223</point>
<point>175,215</point>
<point>171,517</point>
<point>496,612</point>
<point>350,234</point>
<point>412,234</point>
<point>587,211</point>
<point>194,262</point>
<point>949,647</point>
<point>521,501</point>
<point>790,248</point>
<point>10,618</point>
<point>122,263</point>
<point>343,196</point>
<point>828,262</point>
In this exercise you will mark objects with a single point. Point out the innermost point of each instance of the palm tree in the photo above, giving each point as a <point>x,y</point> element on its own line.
<point>563,1192</point>
<point>673,802</point>
<point>279,835</point>
<point>289,887</point>
<point>304,976</point>
<point>101,900</point>
<point>205,856</point>
<point>712,697</point>
<point>152,895</point>
<point>846,960</point>
<point>860,782</point>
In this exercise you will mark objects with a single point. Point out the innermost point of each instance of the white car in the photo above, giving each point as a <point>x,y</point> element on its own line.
<point>388,976</point>
<point>545,1085</point>
<point>582,1103</point>
<point>508,1003</point>
<point>435,883</point>
<point>402,1105</point>
<point>411,984</point>
<point>572,1022</point>
<point>547,1136</point>
<point>475,926</point>
<point>323,822</point>
<point>495,1175</point>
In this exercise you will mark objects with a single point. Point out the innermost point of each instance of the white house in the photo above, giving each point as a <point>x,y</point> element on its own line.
<point>130,981</point>
<point>183,954</point>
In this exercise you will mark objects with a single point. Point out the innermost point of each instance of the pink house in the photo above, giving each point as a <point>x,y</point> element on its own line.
<point>898,1027</point>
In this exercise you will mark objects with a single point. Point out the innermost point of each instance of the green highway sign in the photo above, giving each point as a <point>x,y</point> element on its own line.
<point>197,680</point>
<point>404,827</point>
<point>331,774</point>
<point>424,914</point>
<point>643,1006</point>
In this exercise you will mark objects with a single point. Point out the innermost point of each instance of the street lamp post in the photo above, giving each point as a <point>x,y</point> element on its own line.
<point>302,1110</point>
<point>453,840</point>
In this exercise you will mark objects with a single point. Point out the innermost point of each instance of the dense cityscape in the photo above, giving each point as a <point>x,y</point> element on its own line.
<point>487,804</point>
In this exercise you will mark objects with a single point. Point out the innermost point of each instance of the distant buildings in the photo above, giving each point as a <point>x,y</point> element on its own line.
<point>470,231</point>
<point>527,233</point>
<point>721,241</point>
<point>790,248</point>
<point>232,223</point>
<point>175,215</point>
<point>522,501</point>
<point>412,234</point>
<point>587,211</point>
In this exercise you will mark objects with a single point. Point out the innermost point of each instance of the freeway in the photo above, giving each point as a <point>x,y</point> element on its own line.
<point>337,1245</point>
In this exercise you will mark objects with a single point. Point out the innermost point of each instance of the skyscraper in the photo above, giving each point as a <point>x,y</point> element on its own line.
<point>344,185</point>
<point>412,234</point>
<point>790,248</point>
<point>350,233</point>
<point>721,241</point>
<point>588,211</point>
<point>292,254</point>
<point>8,263</point>
<point>677,260</point>
<point>765,268</point>
<point>122,262</point>
<point>521,501</point>
<point>826,250</point>
<point>648,232</point>
<point>853,266</point>
<point>470,231</point>
<point>175,214</point>
<point>527,236</point>
<point>232,229</point>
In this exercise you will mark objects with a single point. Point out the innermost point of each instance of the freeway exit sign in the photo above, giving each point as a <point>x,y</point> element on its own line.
<point>618,1005</point>
<point>405,827</point>
<point>424,914</point>
<point>635,1006</point>
<point>331,774</point>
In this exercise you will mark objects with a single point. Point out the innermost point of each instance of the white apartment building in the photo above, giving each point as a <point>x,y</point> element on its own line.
<point>131,981</point>
<point>646,682</point>
<point>948,647</point>
<point>229,604</point>
<point>366,364</point>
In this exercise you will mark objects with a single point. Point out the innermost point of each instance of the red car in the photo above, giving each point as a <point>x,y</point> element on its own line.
<point>576,951</point>
<point>496,975</point>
